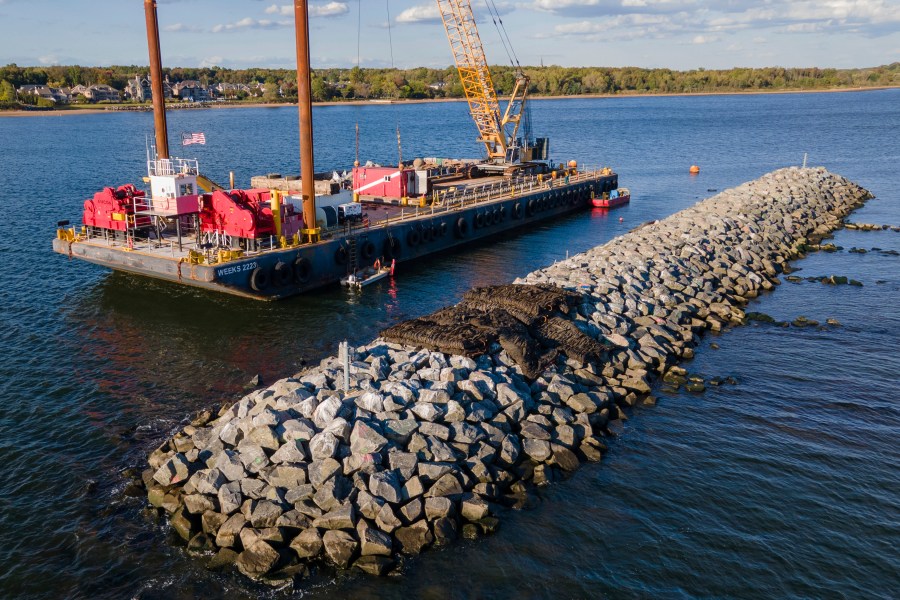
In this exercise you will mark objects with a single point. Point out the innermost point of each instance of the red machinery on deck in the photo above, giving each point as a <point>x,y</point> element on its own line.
<point>247,214</point>
<point>114,209</point>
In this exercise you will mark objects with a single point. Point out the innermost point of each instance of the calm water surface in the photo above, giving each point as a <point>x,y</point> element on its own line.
<point>785,485</point>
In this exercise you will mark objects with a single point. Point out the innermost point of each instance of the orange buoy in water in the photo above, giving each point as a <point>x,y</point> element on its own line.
<point>694,169</point>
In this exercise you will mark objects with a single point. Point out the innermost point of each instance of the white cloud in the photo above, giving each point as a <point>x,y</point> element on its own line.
<point>704,39</point>
<point>251,23</point>
<point>181,28</point>
<point>429,13</point>
<point>424,13</point>
<point>331,9</point>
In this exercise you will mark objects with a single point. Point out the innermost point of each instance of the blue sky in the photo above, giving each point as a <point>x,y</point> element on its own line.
<point>679,34</point>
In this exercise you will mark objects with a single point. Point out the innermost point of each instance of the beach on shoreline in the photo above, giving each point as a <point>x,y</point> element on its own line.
<point>95,110</point>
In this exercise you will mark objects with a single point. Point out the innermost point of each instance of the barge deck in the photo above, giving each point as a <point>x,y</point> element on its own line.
<point>454,215</point>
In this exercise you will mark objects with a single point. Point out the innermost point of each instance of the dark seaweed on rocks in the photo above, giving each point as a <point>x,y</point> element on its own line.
<point>524,319</point>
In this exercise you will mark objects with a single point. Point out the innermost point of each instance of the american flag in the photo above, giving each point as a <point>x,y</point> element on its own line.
<point>192,138</point>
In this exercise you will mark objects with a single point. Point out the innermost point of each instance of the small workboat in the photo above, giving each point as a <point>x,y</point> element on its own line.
<point>616,197</point>
<point>366,275</point>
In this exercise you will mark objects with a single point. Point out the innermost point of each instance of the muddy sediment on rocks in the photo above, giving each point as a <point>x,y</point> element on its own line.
<point>450,416</point>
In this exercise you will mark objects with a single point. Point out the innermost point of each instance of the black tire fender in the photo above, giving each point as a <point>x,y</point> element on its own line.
<point>302,269</point>
<point>282,274</point>
<point>260,279</point>
<point>461,228</point>
<point>340,255</point>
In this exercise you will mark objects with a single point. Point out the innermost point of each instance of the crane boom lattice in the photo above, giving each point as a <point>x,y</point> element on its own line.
<point>468,53</point>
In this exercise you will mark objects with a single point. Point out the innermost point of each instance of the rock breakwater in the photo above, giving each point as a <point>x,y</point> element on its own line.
<point>449,417</point>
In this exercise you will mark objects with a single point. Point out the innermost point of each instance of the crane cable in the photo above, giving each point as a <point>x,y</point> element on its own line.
<point>387,6</point>
<point>504,35</point>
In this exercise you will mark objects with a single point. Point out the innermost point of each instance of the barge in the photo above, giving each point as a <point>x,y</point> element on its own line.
<point>197,239</point>
<point>287,236</point>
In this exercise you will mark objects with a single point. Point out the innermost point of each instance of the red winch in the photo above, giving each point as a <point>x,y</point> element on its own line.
<point>114,208</point>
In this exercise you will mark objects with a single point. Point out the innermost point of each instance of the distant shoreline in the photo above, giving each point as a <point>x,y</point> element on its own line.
<point>95,110</point>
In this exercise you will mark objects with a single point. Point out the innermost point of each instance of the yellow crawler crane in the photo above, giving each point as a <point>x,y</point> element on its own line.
<point>498,133</point>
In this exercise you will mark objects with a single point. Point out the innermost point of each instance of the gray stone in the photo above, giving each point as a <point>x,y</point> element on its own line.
<point>265,437</point>
<point>427,411</point>
<point>432,471</point>
<point>295,430</point>
<point>230,498</point>
<point>320,471</point>
<point>265,514</point>
<point>327,410</point>
<point>291,452</point>
<point>207,481</point>
<point>323,445</point>
<point>582,403</point>
<point>507,395</point>
<point>229,531</point>
<point>510,449</point>
<point>293,519</point>
<point>197,504</point>
<point>371,401</point>
<point>331,494</point>
<point>564,457</point>
<point>339,428</point>
<point>412,488</point>
<point>386,520</point>
<point>448,485</point>
<point>434,396</point>
<point>252,488</point>
<point>473,508</point>
<point>374,565</point>
<point>307,544</point>
<point>404,463</point>
<point>252,456</point>
<point>343,517</point>
<point>445,530</point>
<point>534,431</point>
<point>537,450</point>
<point>385,484</point>
<point>299,493</point>
<point>340,547</point>
<point>437,507</point>
<point>413,511</point>
<point>174,470</point>
<point>414,538</point>
<point>372,541</point>
<point>285,476</point>
<point>211,522</point>
<point>257,560</point>
<point>400,430</point>
<point>365,440</point>
<point>230,465</point>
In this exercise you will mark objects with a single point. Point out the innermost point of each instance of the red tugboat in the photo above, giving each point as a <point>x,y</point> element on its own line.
<point>611,199</point>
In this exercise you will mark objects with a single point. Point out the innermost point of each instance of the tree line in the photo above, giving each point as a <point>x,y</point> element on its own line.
<point>423,83</point>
